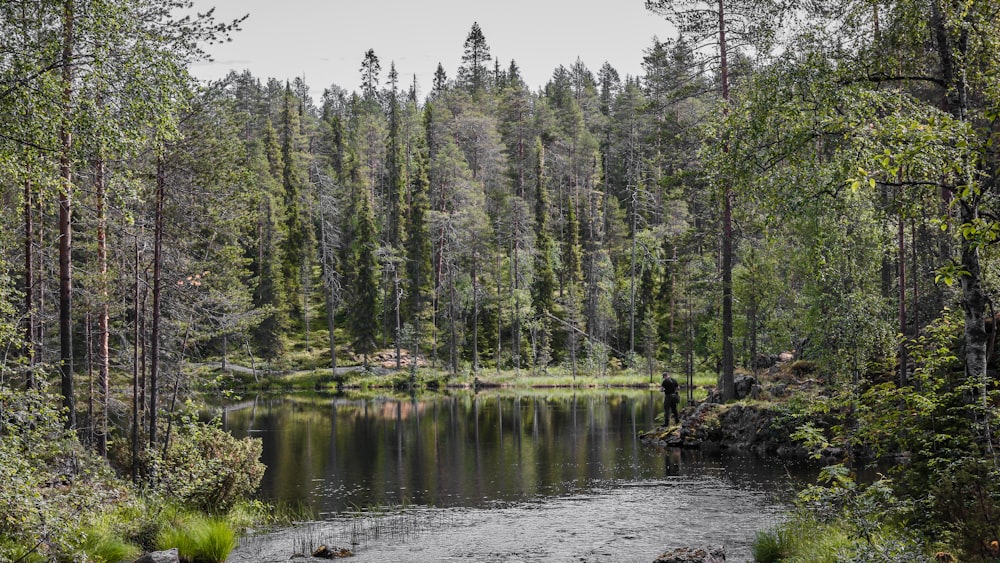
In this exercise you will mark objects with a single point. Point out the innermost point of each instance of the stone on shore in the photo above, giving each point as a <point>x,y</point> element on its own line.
<point>168,556</point>
<point>691,555</point>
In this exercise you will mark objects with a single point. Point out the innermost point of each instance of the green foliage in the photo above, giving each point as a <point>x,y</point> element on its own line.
<point>208,469</point>
<point>875,523</point>
<point>54,491</point>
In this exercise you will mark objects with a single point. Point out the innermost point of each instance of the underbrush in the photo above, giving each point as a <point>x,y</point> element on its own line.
<point>61,502</point>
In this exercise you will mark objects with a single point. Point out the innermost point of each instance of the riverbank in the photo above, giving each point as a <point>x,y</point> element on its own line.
<point>240,378</point>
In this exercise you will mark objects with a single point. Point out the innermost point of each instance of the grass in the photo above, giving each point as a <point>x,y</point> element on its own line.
<point>104,546</point>
<point>199,539</point>
<point>806,540</point>
<point>801,540</point>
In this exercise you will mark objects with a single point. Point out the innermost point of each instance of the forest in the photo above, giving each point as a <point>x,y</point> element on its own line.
<point>815,177</point>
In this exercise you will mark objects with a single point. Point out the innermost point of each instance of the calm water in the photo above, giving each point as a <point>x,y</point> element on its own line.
<point>498,477</point>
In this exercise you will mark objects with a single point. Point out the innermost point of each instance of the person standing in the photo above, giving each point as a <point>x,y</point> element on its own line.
<point>671,398</point>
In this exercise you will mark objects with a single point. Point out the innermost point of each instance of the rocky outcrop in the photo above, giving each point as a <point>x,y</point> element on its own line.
<point>690,555</point>
<point>737,426</point>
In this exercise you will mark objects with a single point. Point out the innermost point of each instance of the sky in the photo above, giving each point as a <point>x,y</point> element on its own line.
<point>324,41</point>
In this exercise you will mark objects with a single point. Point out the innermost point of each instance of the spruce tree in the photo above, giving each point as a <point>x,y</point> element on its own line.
<point>294,242</point>
<point>545,280</point>
<point>418,243</point>
<point>473,72</point>
<point>363,313</point>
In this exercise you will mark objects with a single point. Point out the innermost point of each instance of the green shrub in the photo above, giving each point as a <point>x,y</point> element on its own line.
<point>208,469</point>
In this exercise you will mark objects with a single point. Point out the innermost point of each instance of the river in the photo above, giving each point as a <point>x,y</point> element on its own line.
<point>541,475</point>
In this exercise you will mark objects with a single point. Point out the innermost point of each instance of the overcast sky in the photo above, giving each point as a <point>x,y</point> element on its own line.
<point>325,40</point>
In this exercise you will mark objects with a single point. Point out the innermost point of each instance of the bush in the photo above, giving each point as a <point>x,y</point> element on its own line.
<point>206,468</point>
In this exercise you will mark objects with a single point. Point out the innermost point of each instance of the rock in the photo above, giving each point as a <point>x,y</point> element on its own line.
<point>744,384</point>
<point>168,556</point>
<point>690,555</point>
<point>777,390</point>
<point>324,552</point>
<point>765,361</point>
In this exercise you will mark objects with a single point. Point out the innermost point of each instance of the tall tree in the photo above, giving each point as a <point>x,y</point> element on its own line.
<point>364,266</point>
<point>370,71</point>
<point>543,289</point>
<point>746,22</point>
<point>473,73</point>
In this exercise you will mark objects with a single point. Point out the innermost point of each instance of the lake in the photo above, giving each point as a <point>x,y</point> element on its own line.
<point>546,475</point>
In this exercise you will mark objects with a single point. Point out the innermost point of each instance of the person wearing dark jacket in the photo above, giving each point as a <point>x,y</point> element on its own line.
<point>671,398</point>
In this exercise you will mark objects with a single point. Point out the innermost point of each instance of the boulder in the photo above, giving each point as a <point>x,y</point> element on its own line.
<point>743,384</point>
<point>691,555</point>
<point>168,556</point>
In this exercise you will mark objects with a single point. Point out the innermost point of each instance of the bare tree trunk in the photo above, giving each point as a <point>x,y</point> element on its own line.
<point>328,285</point>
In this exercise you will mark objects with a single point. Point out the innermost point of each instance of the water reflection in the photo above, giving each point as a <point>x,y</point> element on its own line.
<point>467,450</point>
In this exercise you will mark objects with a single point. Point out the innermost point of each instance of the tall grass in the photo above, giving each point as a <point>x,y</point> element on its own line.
<point>105,546</point>
<point>199,539</point>
<point>806,540</point>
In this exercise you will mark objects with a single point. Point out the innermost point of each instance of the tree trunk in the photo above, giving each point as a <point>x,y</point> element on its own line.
<point>136,410</point>
<point>103,353</point>
<point>154,364</point>
<point>974,298</point>
<point>328,285</point>
<point>29,283</point>
<point>901,260</point>
<point>728,360</point>
<point>475,314</point>
<point>65,220</point>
